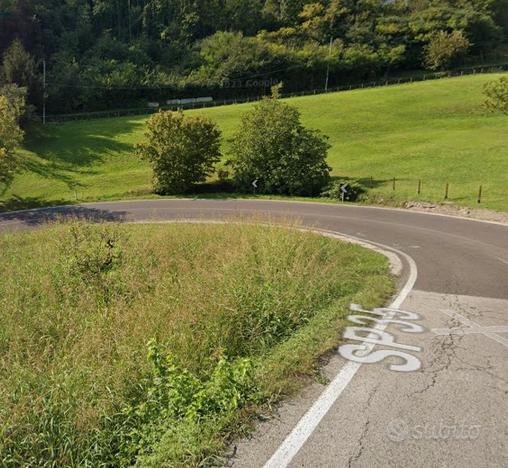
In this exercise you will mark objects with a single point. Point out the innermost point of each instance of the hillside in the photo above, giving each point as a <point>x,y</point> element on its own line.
<point>435,131</point>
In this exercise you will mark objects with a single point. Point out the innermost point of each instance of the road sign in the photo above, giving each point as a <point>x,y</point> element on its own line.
<point>343,190</point>
<point>255,184</point>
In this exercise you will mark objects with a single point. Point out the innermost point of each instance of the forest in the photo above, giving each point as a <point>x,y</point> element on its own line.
<point>110,54</point>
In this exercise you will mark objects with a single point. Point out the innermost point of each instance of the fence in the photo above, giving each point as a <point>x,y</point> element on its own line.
<point>225,102</point>
<point>423,189</point>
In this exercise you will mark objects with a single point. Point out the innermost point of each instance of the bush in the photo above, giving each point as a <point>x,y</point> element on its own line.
<point>496,93</point>
<point>173,398</point>
<point>334,190</point>
<point>273,147</point>
<point>182,150</point>
<point>92,251</point>
<point>12,105</point>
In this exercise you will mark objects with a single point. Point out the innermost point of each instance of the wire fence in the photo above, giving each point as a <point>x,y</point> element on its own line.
<point>423,76</point>
<point>431,189</point>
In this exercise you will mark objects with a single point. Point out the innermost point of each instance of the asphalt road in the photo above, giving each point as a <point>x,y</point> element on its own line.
<point>452,411</point>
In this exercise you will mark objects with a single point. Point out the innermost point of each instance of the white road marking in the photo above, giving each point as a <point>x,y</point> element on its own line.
<point>472,327</point>
<point>470,331</point>
<point>308,423</point>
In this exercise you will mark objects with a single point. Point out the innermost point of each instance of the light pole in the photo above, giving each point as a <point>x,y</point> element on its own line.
<point>328,65</point>
<point>43,91</point>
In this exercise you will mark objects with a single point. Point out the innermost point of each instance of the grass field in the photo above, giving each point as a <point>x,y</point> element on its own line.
<point>120,344</point>
<point>435,131</point>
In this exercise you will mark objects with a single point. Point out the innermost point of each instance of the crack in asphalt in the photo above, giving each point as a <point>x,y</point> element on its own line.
<point>361,441</point>
<point>487,370</point>
<point>443,350</point>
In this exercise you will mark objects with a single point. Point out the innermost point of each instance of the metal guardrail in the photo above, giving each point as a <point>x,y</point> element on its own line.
<point>423,76</point>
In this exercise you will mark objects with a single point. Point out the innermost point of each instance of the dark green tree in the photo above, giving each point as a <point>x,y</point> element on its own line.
<point>18,67</point>
<point>274,148</point>
<point>181,150</point>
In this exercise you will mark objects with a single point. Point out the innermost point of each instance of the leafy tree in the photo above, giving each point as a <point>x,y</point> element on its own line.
<point>496,93</point>
<point>273,147</point>
<point>18,67</point>
<point>182,150</point>
<point>445,48</point>
<point>227,55</point>
<point>11,134</point>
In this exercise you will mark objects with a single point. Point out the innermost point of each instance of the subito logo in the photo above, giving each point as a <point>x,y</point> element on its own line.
<point>397,430</point>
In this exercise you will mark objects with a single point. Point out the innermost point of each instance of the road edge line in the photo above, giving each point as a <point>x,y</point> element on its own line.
<point>314,415</point>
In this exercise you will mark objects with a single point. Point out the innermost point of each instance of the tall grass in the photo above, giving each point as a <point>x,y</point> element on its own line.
<point>150,344</point>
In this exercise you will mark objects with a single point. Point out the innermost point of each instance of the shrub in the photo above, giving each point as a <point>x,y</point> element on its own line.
<point>334,190</point>
<point>11,109</point>
<point>496,93</point>
<point>445,48</point>
<point>273,147</point>
<point>182,150</point>
<point>173,398</point>
<point>92,251</point>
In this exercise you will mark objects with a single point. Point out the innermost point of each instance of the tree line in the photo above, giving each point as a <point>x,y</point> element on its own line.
<point>104,54</point>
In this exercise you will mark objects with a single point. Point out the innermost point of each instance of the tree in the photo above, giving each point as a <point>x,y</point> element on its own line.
<point>18,67</point>
<point>445,48</point>
<point>274,148</point>
<point>182,150</point>
<point>11,109</point>
<point>496,93</point>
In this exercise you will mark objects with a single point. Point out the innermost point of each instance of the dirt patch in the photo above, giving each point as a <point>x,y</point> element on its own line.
<point>453,210</point>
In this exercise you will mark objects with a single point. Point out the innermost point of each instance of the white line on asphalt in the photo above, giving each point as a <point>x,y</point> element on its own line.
<point>472,327</point>
<point>469,330</point>
<point>308,423</point>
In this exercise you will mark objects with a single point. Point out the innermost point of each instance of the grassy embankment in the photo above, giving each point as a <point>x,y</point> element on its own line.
<point>153,344</point>
<point>436,131</point>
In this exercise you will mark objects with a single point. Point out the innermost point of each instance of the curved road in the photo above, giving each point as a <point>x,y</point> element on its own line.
<point>450,412</point>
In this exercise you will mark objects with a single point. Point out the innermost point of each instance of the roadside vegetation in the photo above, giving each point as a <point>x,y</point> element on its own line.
<point>12,110</point>
<point>438,132</point>
<point>182,150</point>
<point>154,344</point>
<point>496,93</point>
<point>273,148</point>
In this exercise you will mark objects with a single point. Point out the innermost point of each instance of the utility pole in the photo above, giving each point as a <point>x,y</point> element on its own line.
<point>43,91</point>
<point>129,17</point>
<point>328,65</point>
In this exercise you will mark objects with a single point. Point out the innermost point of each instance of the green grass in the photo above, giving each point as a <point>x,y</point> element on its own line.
<point>154,344</point>
<point>436,131</point>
